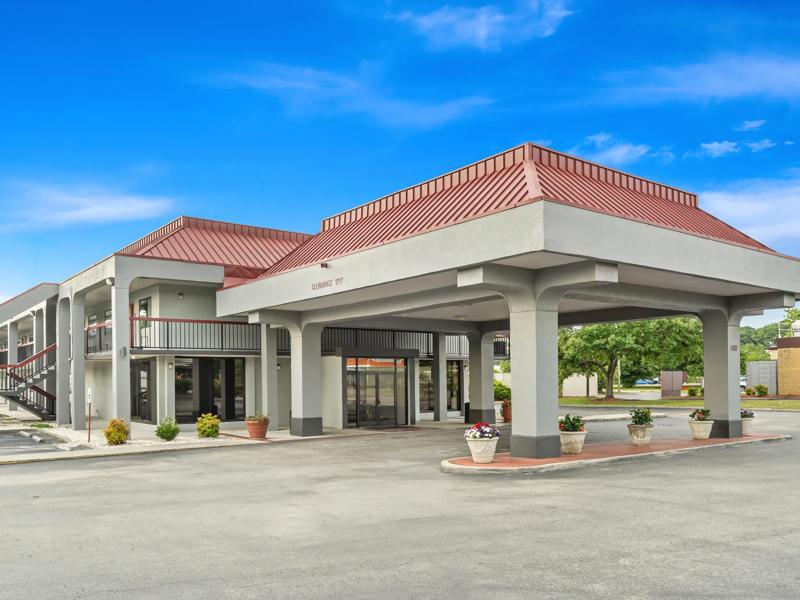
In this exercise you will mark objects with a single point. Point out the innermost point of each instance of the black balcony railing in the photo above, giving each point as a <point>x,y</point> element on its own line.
<point>161,335</point>
<point>98,338</point>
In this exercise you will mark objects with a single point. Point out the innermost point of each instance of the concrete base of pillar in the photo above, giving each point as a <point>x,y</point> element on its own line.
<point>481,415</point>
<point>726,429</point>
<point>543,446</point>
<point>306,427</point>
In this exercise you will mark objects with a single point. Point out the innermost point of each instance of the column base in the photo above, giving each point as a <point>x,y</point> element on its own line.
<point>306,427</point>
<point>481,415</point>
<point>540,446</point>
<point>726,429</point>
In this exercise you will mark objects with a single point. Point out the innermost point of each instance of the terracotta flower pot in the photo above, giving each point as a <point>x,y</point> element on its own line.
<point>506,411</point>
<point>257,429</point>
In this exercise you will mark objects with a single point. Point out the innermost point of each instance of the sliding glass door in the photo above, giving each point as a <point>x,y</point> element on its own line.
<point>376,392</point>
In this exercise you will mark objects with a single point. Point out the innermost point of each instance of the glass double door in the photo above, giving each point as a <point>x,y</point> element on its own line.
<point>376,392</point>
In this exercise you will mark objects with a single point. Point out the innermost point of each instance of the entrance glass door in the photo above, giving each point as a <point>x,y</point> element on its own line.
<point>376,392</point>
<point>141,384</point>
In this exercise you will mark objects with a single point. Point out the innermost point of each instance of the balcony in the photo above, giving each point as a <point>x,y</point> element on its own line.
<point>167,336</point>
<point>98,338</point>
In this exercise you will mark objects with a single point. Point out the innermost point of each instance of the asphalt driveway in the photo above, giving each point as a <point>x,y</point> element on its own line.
<point>372,517</point>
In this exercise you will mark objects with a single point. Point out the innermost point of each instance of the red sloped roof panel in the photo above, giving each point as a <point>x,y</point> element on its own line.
<point>189,239</point>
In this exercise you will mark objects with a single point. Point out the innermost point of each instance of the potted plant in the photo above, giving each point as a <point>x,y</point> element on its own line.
<point>700,424</point>
<point>502,394</point>
<point>641,426</point>
<point>257,426</point>
<point>506,410</point>
<point>573,434</point>
<point>482,441</point>
<point>748,416</point>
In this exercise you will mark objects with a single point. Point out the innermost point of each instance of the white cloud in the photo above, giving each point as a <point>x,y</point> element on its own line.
<point>29,203</point>
<point>760,145</point>
<point>724,77</point>
<point>304,90</point>
<point>605,149</point>
<point>715,149</point>
<point>488,27</point>
<point>750,125</point>
<point>765,209</point>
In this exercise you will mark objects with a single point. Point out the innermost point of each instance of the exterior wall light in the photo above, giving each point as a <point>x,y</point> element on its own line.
<point>169,365</point>
<point>323,265</point>
<point>180,295</point>
<point>278,367</point>
<point>109,281</point>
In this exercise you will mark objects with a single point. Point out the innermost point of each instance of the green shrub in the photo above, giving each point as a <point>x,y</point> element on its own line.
<point>168,429</point>
<point>501,391</point>
<point>570,423</point>
<point>750,391</point>
<point>703,391</point>
<point>692,391</point>
<point>117,432</point>
<point>504,366</point>
<point>762,390</point>
<point>208,426</point>
<point>641,416</point>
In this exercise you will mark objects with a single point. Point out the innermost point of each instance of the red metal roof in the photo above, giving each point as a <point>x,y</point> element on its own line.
<point>244,250</point>
<point>524,174</point>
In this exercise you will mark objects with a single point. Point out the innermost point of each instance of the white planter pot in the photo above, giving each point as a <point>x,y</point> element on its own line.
<point>640,434</point>
<point>701,430</point>
<point>572,441</point>
<point>747,425</point>
<point>482,450</point>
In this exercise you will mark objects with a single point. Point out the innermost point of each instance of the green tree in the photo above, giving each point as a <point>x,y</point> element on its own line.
<point>644,347</point>
<point>750,352</point>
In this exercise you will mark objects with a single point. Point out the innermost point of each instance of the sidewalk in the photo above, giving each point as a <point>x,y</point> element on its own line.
<point>598,453</point>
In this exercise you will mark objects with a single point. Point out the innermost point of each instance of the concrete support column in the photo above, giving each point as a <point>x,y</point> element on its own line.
<point>481,378</point>
<point>306,418</point>
<point>439,376</point>
<point>721,373</point>
<point>12,357</point>
<point>38,331</point>
<point>269,375</point>
<point>120,353</point>
<point>62,362</point>
<point>78,364</point>
<point>534,368</point>
<point>413,390</point>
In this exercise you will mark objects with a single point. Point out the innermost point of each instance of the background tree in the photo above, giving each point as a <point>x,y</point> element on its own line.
<point>644,347</point>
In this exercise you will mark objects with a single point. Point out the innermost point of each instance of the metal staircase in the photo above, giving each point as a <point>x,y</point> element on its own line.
<point>19,383</point>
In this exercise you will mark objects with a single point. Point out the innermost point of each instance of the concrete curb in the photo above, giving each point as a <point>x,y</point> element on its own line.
<point>447,467</point>
<point>619,417</point>
<point>104,453</point>
<point>661,407</point>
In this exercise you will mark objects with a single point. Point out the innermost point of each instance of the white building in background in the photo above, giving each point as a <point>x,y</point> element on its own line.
<point>396,307</point>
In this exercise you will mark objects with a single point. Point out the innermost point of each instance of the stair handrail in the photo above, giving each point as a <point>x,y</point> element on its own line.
<point>29,367</point>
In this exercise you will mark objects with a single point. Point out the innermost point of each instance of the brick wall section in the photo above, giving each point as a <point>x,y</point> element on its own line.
<point>788,371</point>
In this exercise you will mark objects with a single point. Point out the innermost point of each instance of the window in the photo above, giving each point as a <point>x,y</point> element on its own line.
<point>92,325</point>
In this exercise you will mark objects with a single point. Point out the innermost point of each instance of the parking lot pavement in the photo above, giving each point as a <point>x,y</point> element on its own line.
<point>372,517</point>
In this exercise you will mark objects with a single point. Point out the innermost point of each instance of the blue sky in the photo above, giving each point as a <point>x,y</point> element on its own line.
<point>117,117</point>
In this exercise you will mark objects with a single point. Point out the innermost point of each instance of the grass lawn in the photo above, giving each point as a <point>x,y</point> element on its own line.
<point>782,403</point>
